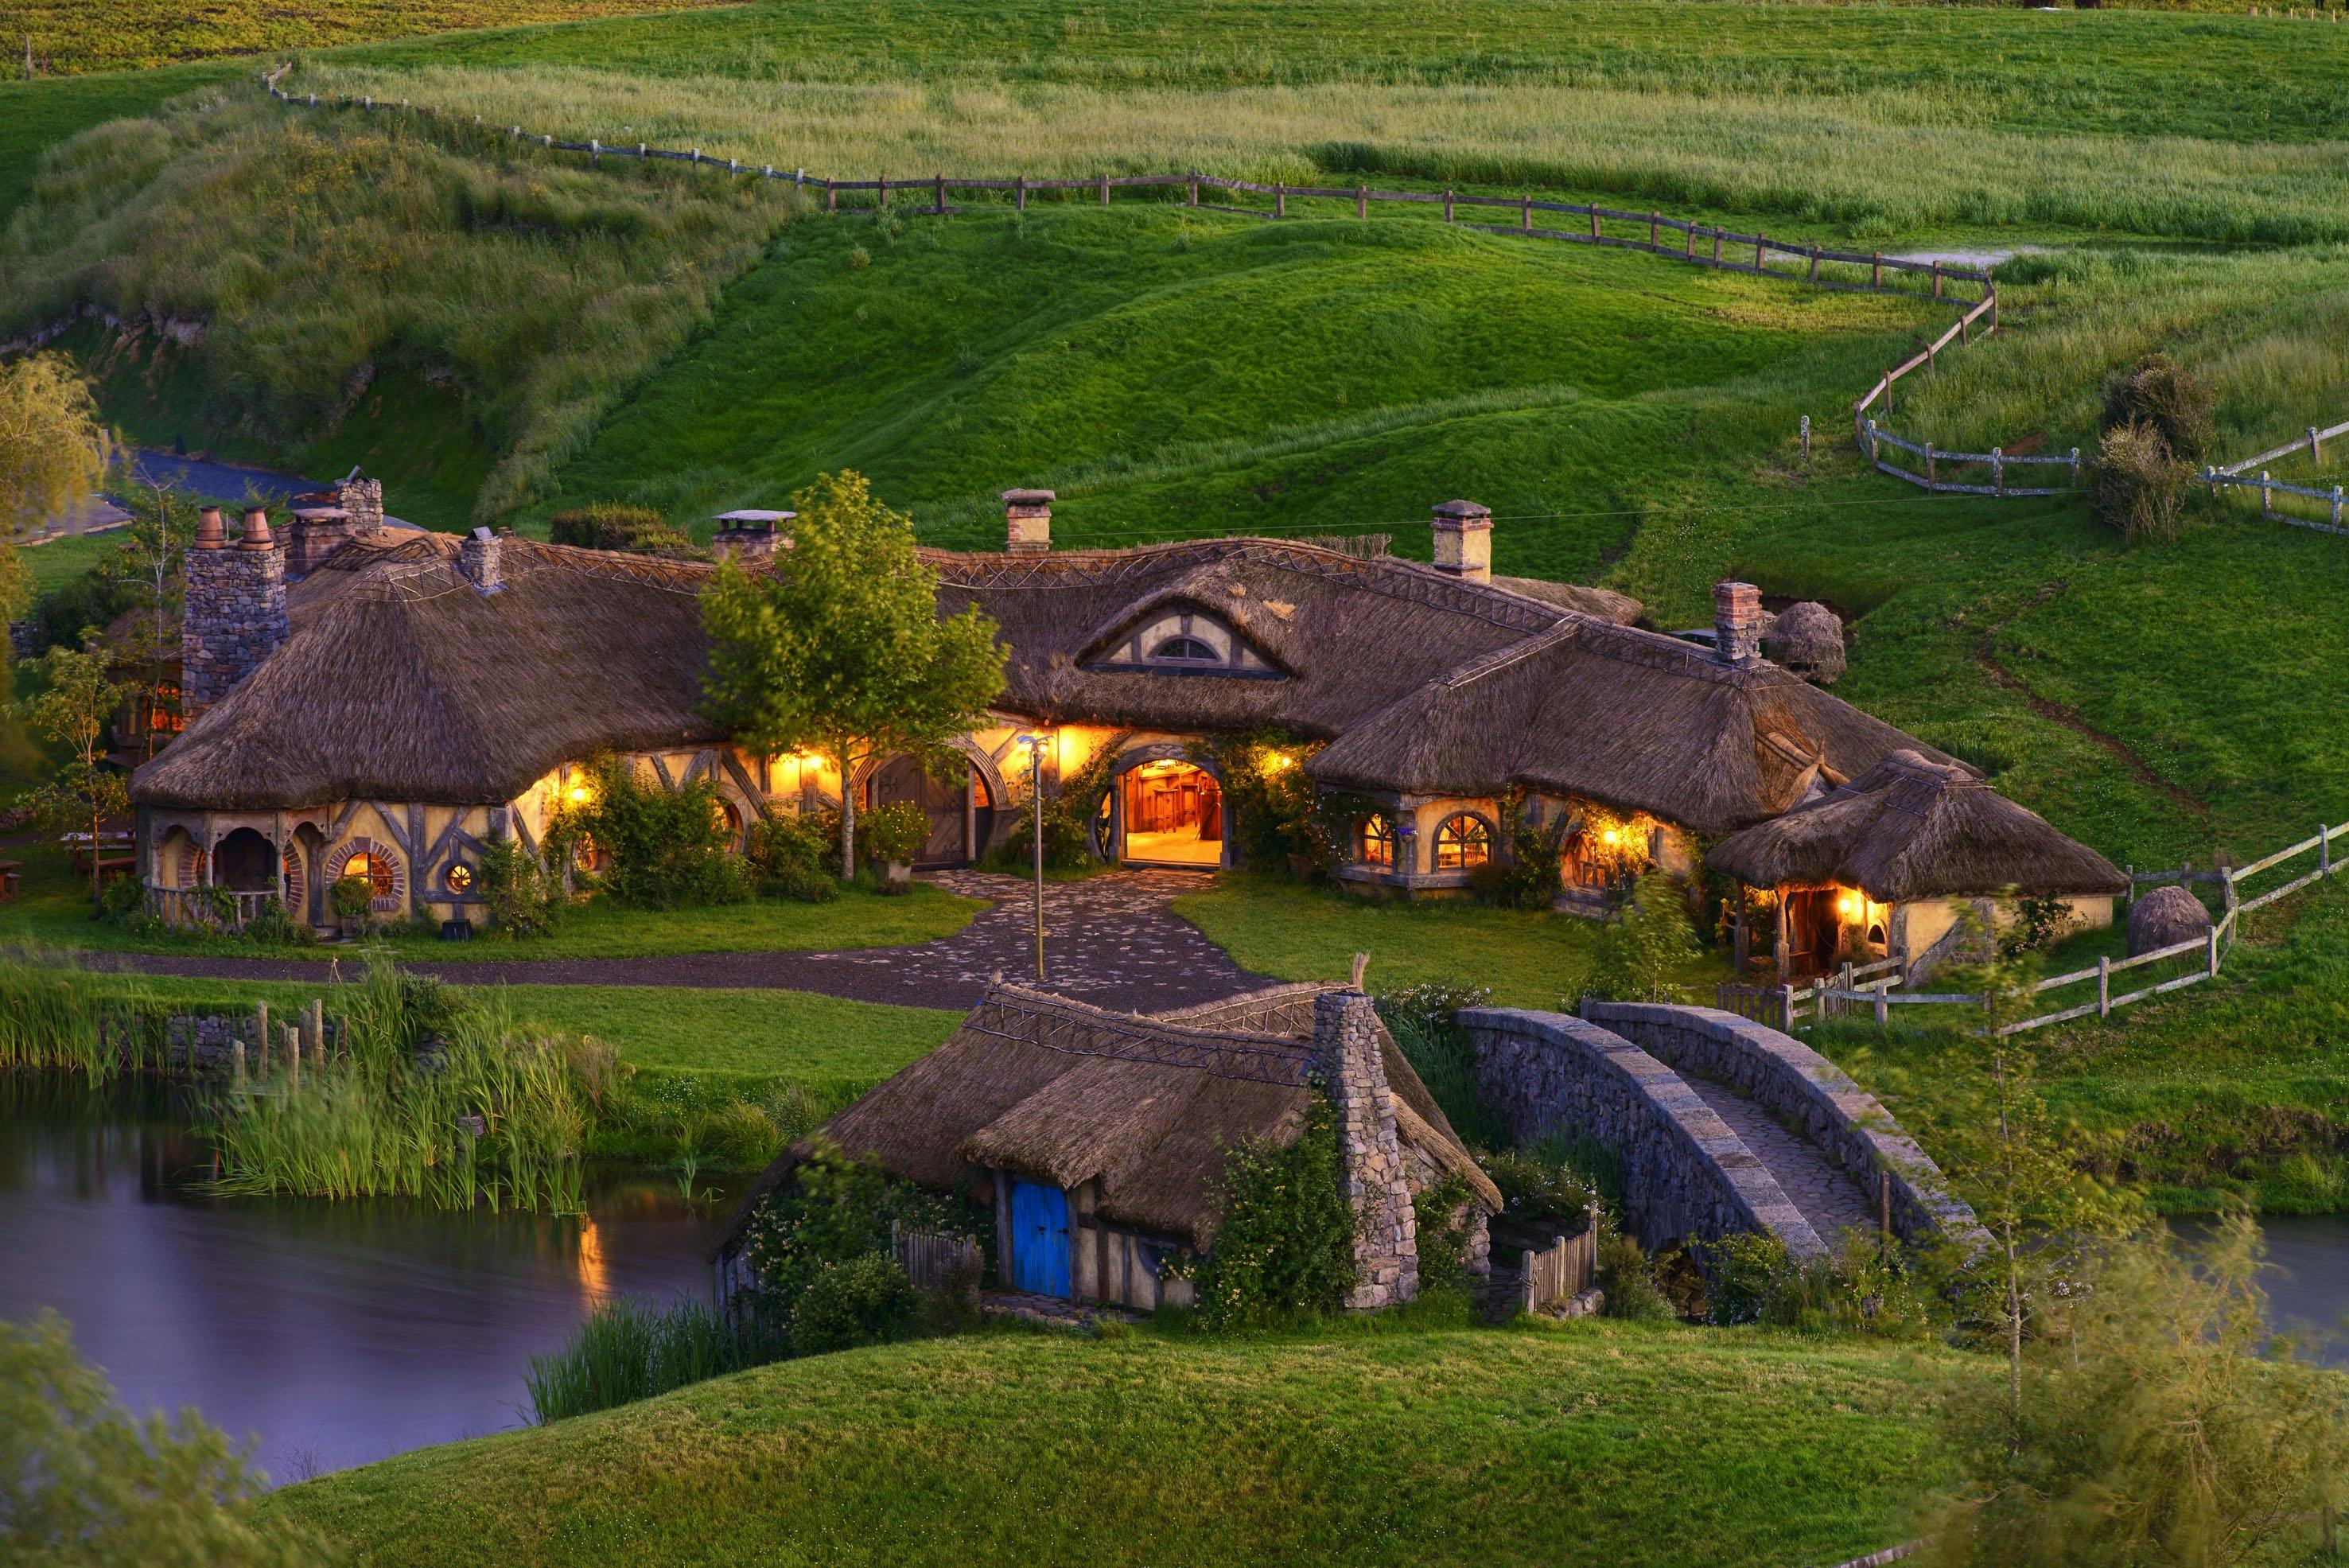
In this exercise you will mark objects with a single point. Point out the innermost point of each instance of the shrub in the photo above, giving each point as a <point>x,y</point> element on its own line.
<point>1628,1281</point>
<point>523,898</point>
<point>352,899</point>
<point>1271,810</point>
<point>667,846</point>
<point>2164,397</point>
<point>790,856</point>
<point>272,924</point>
<point>1286,1244</point>
<point>1068,813</point>
<point>616,525</point>
<point>2140,485</point>
<point>893,832</point>
<point>1440,1052</point>
<point>1538,1182</point>
<point>835,1209</point>
<point>1648,938</point>
<point>865,1300</point>
<point>123,901</point>
<point>1431,1004</point>
<point>1444,1220</point>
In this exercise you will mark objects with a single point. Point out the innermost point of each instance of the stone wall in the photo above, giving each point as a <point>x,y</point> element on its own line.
<point>235,619</point>
<point>1685,1175</point>
<point>1803,1089</point>
<point>1376,1173</point>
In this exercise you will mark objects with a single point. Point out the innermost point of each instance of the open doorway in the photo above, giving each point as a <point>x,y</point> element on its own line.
<point>1173,815</point>
<point>1814,932</point>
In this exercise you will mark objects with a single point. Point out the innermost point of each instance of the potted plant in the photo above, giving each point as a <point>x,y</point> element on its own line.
<point>893,835</point>
<point>353,898</point>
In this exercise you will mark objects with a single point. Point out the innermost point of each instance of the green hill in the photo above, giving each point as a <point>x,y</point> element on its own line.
<point>1595,1444</point>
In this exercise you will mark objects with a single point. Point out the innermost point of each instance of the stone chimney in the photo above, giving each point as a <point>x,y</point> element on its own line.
<point>1464,541</point>
<point>1737,622</point>
<point>1028,521</point>
<point>235,615</point>
<point>317,533</point>
<point>1373,1166</point>
<point>480,559</point>
<point>749,537</point>
<point>362,499</point>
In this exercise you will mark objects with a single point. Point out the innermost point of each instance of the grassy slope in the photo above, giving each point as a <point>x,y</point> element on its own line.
<point>1591,1444</point>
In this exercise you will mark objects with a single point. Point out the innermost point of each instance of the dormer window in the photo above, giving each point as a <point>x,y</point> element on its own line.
<point>1186,642</point>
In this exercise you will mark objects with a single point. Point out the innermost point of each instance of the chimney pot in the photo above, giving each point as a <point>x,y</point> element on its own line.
<point>210,532</point>
<point>1737,622</point>
<point>1028,521</point>
<point>1464,541</point>
<point>480,559</point>
<point>257,530</point>
<point>750,538</point>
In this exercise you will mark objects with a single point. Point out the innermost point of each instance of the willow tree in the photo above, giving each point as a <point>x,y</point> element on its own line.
<point>53,451</point>
<point>839,649</point>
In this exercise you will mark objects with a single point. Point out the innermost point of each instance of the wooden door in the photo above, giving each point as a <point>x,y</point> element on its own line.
<point>1039,1239</point>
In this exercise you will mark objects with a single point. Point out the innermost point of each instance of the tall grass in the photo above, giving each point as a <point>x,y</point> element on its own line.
<point>629,1349</point>
<point>451,1102</point>
<point>58,1017</point>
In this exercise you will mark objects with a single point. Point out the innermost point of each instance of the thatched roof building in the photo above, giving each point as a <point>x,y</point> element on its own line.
<point>1131,1117</point>
<point>1915,826</point>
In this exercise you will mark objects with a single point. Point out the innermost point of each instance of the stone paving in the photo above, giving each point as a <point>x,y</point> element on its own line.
<point>1826,1197</point>
<point>1109,939</point>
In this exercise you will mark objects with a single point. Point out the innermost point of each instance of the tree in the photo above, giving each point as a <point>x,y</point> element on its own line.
<point>53,451</point>
<point>840,649</point>
<point>84,1482</point>
<point>152,553</point>
<point>1649,940</point>
<point>78,703</point>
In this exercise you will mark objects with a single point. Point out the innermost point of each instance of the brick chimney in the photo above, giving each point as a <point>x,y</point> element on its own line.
<point>1028,521</point>
<point>1464,541</point>
<point>235,615</point>
<point>481,559</point>
<point>318,532</point>
<point>1347,1062</point>
<point>749,537</point>
<point>1737,622</point>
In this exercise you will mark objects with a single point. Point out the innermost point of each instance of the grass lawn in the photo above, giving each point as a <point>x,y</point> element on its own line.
<point>52,910</point>
<point>1280,929</point>
<point>1592,1443</point>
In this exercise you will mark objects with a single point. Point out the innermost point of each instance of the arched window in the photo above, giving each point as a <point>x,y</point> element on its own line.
<point>1374,842</point>
<point>375,869</point>
<point>1185,651</point>
<point>1462,842</point>
<point>458,878</point>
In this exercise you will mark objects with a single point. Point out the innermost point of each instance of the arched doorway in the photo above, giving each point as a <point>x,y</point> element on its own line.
<point>1169,812</point>
<point>960,806</point>
<point>246,862</point>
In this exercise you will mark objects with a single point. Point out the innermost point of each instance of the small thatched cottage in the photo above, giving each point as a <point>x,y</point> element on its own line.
<point>378,703</point>
<point>1099,1139</point>
<point>1888,865</point>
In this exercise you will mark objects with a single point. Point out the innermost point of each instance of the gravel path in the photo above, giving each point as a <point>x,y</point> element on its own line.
<point>1109,939</point>
<point>1826,1197</point>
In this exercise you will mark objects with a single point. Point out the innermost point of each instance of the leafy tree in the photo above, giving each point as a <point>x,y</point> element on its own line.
<point>840,649</point>
<point>667,846</point>
<point>1648,939</point>
<point>53,451</point>
<point>73,711</point>
<point>84,1482</point>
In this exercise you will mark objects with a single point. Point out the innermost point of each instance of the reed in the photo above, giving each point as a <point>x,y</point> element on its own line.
<point>629,1349</point>
<point>53,1016</point>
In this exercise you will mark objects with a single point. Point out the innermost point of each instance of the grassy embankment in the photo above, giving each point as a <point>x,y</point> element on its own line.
<point>1594,1443</point>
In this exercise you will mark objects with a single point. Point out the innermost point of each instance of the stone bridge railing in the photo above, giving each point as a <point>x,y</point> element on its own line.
<point>1804,1090</point>
<point>1686,1176</point>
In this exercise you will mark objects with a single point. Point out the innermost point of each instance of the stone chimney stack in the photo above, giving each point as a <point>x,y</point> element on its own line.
<point>1028,521</point>
<point>480,558</point>
<point>1737,622</point>
<point>235,615</point>
<point>1376,1175</point>
<point>750,538</point>
<point>1464,541</point>
<point>362,500</point>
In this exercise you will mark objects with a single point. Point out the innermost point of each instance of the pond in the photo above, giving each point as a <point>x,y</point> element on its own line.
<point>327,1333</point>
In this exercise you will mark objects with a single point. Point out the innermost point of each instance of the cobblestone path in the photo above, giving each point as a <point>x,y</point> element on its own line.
<point>1826,1197</point>
<point>1109,939</point>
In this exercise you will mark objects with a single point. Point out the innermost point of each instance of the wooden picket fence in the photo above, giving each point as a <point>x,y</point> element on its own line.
<point>1852,991</point>
<point>934,1261</point>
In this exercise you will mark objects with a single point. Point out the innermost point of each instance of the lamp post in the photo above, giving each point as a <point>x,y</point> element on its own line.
<point>1035,745</point>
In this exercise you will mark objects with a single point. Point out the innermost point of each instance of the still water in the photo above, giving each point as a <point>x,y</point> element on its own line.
<point>327,1333</point>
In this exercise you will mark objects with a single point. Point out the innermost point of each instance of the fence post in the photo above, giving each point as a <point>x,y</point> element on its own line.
<point>1716,247</point>
<point>831,196</point>
<point>1525,219</point>
<point>2266,495</point>
<point>1991,294</point>
<point>1931,364</point>
<point>1655,228</point>
<point>1807,438</point>
<point>2315,449</point>
<point>1594,220</point>
<point>2323,850</point>
<point>942,190</point>
<point>1937,280</point>
<point>2104,986</point>
<point>1998,471</point>
<point>1884,1001</point>
<point>1815,263</point>
<point>1279,200</point>
<point>1761,245</point>
<point>2214,952</point>
<point>880,185</point>
<point>1786,1007</point>
<point>1871,440</point>
<point>1361,201</point>
<point>2076,468</point>
<point>1018,192</point>
<point>1104,189</point>
<point>1447,206</point>
<point>2336,506</point>
<point>1194,187</point>
<point>1876,273</point>
<point>594,151</point>
<point>1930,481</point>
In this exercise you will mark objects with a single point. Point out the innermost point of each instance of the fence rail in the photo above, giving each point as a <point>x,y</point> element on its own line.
<point>2269,489</point>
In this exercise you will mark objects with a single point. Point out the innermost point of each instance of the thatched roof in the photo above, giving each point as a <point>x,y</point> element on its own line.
<point>1606,604</point>
<point>1630,719</point>
<point>1915,827</point>
<point>1067,1093</point>
<point>400,682</point>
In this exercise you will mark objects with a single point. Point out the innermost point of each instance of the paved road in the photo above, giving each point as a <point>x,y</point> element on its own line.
<point>1109,940</point>
<point>1820,1190</point>
<point>220,481</point>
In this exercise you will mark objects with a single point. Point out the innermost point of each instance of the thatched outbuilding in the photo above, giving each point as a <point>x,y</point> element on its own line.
<point>1886,866</point>
<point>1807,639</point>
<point>2165,917</point>
<point>1100,1139</point>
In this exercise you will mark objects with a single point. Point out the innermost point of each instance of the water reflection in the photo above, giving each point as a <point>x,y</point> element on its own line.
<point>331,1334</point>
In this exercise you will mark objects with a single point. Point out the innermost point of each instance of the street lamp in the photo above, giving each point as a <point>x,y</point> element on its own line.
<point>1035,745</point>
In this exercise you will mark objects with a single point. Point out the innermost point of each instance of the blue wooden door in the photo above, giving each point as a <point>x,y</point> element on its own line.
<point>1039,1239</point>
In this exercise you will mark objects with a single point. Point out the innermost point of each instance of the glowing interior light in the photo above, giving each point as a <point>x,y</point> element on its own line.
<point>1275,762</point>
<point>1851,907</point>
<point>578,794</point>
<point>1611,837</point>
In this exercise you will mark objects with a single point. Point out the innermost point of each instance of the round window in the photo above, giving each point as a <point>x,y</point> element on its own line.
<point>459,878</point>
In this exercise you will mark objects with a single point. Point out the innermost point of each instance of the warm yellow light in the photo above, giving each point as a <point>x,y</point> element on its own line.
<point>578,795</point>
<point>1611,837</point>
<point>1276,762</point>
<point>1851,907</point>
